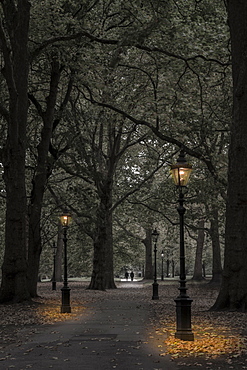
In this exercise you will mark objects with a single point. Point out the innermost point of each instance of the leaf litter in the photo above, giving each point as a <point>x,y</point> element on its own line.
<point>218,335</point>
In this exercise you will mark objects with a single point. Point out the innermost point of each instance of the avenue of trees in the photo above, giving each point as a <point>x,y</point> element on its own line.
<point>97,98</point>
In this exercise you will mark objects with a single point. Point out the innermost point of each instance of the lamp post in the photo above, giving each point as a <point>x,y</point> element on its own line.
<point>181,172</point>
<point>155,236</point>
<point>65,219</point>
<point>167,264</point>
<point>54,284</point>
<point>162,265</point>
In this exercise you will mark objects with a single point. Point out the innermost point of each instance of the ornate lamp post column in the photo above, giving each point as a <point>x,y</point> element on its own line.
<point>155,236</point>
<point>162,265</point>
<point>54,284</point>
<point>181,172</point>
<point>65,219</point>
<point>167,264</point>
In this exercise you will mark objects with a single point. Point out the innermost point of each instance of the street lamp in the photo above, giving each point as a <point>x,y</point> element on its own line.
<point>162,265</point>
<point>54,284</point>
<point>65,219</point>
<point>155,236</point>
<point>167,264</point>
<point>181,172</point>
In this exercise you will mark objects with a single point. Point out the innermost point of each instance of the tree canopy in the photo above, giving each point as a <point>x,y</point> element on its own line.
<point>97,97</point>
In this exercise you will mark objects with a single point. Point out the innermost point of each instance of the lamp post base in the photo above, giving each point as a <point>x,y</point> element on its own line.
<point>155,291</point>
<point>184,335</point>
<point>65,308</point>
<point>183,313</point>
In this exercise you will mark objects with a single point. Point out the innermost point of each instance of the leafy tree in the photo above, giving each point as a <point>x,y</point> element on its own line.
<point>17,55</point>
<point>233,292</point>
<point>14,48</point>
<point>199,125</point>
<point>133,63</point>
<point>99,144</point>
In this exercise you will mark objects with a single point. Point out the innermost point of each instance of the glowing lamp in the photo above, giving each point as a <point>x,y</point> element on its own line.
<point>181,171</point>
<point>65,219</point>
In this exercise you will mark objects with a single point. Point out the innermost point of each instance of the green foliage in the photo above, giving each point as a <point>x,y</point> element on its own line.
<point>162,62</point>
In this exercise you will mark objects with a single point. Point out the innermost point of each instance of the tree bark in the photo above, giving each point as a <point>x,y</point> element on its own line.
<point>233,292</point>
<point>42,173</point>
<point>15,72</point>
<point>102,275</point>
<point>148,273</point>
<point>14,269</point>
<point>197,276</point>
<point>214,233</point>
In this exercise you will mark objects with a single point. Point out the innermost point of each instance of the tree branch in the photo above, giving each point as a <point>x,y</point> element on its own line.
<point>137,188</point>
<point>124,42</point>
<point>163,137</point>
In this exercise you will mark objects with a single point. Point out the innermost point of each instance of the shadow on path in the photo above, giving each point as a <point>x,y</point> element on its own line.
<point>112,333</point>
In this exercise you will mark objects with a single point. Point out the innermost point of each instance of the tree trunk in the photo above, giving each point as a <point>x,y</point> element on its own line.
<point>102,275</point>
<point>148,274</point>
<point>15,72</point>
<point>214,233</point>
<point>197,276</point>
<point>14,269</point>
<point>40,179</point>
<point>233,292</point>
<point>59,254</point>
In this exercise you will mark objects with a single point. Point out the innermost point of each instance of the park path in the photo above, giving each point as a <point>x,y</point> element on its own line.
<point>114,332</point>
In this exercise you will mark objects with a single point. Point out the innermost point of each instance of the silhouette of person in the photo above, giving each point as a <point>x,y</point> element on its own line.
<point>132,275</point>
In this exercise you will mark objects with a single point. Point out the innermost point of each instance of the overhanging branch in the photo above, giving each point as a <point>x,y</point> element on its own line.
<point>161,136</point>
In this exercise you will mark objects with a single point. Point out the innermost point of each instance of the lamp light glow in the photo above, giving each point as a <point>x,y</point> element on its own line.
<point>181,171</point>
<point>65,219</point>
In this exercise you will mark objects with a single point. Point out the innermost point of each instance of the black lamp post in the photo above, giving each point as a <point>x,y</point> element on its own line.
<point>181,172</point>
<point>167,264</point>
<point>54,284</point>
<point>162,265</point>
<point>155,236</point>
<point>65,219</point>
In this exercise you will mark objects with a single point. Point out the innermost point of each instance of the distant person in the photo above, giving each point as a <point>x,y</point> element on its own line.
<point>132,275</point>
<point>126,275</point>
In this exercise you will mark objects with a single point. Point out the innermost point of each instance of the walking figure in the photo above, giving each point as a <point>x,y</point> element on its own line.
<point>126,275</point>
<point>132,275</point>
